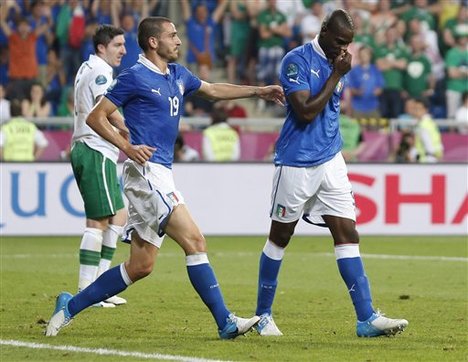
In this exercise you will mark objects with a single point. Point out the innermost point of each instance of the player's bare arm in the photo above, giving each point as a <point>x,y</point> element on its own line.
<point>307,107</point>
<point>222,91</point>
<point>117,120</point>
<point>98,120</point>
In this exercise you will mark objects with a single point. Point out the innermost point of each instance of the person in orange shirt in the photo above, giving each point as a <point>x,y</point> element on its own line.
<point>23,67</point>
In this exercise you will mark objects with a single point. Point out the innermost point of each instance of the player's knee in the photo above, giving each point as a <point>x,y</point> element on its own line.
<point>140,270</point>
<point>199,243</point>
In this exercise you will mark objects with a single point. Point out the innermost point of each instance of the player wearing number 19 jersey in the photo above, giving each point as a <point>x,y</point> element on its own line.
<point>151,95</point>
<point>152,104</point>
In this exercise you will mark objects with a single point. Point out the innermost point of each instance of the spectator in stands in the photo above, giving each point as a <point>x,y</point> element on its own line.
<point>454,25</point>
<point>382,19</point>
<point>461,115</point>
<point>195,106</point>
<point>5,114</point>
<point>311,22</point>
<point>200,29</point>
<point>294,10</point>
<point>351,133</point>
<point>55,80</point>
<point>183,152</point>
<point>23,66</point>
<point>428,141</point>
<point>127,22</point>
<point>70,32</point>
<point>41,14</point>
<point>273,29</point>
<point>67,104</point>
<point>240,29</point>
<point>456,61</point>
<point>220,141</point>
<point>418,78</point>
<point>234,109</point>
<point>36,105</point>
<point>4,55</point>
<point>419,10</point>
<point>391,59</point>
<point>20,139</point>
<point>365,84</point>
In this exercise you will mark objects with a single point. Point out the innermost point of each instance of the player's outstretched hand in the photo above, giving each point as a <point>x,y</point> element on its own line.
<point>272,93</point>
<point>140,153</point>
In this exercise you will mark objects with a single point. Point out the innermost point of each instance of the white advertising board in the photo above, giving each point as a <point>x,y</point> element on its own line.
<point>234,199</point>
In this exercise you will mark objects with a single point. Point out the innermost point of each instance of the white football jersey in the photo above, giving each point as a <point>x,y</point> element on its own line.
<point>91,81</point>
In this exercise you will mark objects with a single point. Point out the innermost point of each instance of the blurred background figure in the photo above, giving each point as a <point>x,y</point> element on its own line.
<point>461,115</point>
<point>406,151</point>
<point>36,105</point>
<point>183,152</point>
<point>428,141</point>
<point>351,133</point>
<point>392,59</point>
<point>273,30</point>
<point>365,84</point>
<point>456,61</point>
<point>4,106</point>
<point>221,142</point>
<point>20,140</point>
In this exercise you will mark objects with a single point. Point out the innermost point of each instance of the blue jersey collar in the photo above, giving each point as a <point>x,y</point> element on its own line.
<point>318,48</point>
<point>150,65</point>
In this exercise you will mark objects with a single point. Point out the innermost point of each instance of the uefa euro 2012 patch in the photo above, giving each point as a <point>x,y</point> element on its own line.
<point>101,79</point>
<point>280,210</point>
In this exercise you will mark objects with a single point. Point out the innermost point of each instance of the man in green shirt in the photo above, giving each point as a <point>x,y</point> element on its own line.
<point>392,59</point>
<point>456,62</point>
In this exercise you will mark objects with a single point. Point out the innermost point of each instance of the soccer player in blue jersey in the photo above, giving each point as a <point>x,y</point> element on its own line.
<point>151,94</point>
<point>310,179</point>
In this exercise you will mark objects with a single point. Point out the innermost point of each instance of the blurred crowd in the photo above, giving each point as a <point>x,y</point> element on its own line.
<point>403,49</point>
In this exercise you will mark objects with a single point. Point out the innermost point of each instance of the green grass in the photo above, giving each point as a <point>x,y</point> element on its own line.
<point>164,315</point>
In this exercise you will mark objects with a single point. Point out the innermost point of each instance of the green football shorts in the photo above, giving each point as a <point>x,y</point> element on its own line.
<point>97,180</point>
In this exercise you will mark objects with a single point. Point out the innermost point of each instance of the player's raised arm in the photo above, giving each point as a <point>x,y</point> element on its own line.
<point>98,120</point>
<point>222,91</point>
<point>307,107</point>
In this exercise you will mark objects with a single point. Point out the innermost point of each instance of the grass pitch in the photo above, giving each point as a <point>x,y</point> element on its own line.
<point>422,279</point>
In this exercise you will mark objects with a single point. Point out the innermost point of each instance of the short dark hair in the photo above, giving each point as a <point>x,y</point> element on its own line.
<point>104,35</point>
<point>148,27</point>
<point>15,108</point>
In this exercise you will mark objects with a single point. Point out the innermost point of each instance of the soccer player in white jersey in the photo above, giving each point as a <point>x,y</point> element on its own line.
<point>94,161</point>
<point>151,94</point>
<point>311,180</point>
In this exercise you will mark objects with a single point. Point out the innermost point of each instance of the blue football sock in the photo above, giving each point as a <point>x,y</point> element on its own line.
<point>107,285</point>
<point>204,281</point>
<point>267,282</point>
<point>352,272</point>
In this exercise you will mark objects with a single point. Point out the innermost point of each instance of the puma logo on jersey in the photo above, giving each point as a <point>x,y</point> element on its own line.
<point>158,92</point>
<point>292,80</point>
<point>316,72</point>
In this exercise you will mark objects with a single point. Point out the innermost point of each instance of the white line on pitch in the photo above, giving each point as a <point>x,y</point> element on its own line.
<point>104,351</point>
<point>224,254</point>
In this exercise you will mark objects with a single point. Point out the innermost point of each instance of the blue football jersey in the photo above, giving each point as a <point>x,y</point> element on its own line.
<point>152,104</point>
<point>308,144</point>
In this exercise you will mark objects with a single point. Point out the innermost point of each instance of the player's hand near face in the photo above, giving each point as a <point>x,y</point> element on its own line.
<point>342,63</point>
<point>272,93</point>
<point>139,153</point>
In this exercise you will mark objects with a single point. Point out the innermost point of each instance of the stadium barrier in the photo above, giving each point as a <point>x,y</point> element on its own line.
<point>234,199</point>
<point>258,135</point>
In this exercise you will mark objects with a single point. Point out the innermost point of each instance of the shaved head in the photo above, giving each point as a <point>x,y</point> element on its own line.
<point>339,19</point>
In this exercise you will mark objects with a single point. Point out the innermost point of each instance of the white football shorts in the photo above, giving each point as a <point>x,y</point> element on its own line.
<point>311,192</point>
<point>152,196</point>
